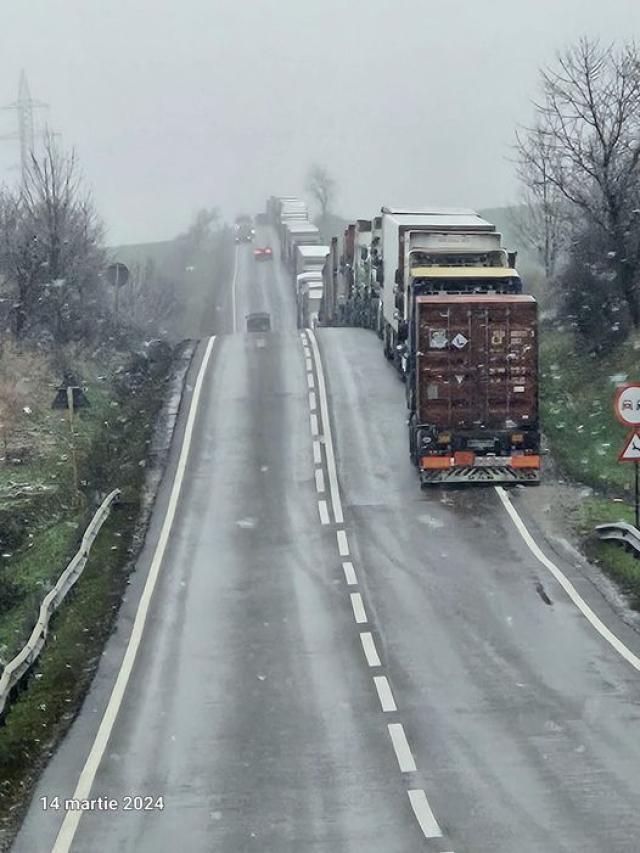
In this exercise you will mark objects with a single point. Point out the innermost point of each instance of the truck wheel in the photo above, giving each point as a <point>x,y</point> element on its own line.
<point>387,344</point>
<point>412,439</point>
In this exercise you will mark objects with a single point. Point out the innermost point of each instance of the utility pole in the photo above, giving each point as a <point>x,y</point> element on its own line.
<point>24,107</point>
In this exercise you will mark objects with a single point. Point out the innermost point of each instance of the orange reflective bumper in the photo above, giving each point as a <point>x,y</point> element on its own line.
<point>436,462</point>
<point>468,459</point>
<point>525,461</point>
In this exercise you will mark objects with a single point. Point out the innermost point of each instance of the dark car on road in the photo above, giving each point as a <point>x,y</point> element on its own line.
<point>260,321</point>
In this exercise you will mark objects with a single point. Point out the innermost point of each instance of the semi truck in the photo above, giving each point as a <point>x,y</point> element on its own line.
<point>308,259</point>
<point>430,236</point>
<point>297,233</point>
<point>309,298</point>
<point>376,277</point>
<point>328,315</point>
<point>472,381</point>
<point>360,308</point>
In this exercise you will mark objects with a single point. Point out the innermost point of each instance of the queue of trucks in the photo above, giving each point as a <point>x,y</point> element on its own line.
<point>444,296</point>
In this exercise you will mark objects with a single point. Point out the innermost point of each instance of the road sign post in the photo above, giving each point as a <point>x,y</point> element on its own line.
<point>117,276</point>
<point>626,407</point>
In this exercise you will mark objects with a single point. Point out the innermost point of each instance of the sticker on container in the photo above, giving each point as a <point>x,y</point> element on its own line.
<point>437,338</point>
<point>460,341</point>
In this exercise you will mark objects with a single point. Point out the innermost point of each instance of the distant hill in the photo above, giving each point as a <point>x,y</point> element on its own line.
<point>164,255</point>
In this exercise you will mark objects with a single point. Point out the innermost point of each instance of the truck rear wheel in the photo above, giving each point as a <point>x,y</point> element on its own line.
<point>388,352</point>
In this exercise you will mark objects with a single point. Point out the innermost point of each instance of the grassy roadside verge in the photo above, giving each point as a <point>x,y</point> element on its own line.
<point>114,445</point>
<point>585,439</point>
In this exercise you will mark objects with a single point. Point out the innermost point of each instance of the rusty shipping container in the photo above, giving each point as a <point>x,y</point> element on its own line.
<point>473,388</point>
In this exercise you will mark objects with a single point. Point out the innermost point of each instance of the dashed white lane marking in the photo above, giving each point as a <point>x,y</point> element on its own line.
<point>343,545</point>
<point>358,608</point>
<point>424,815</point>
<point>402,748</point>
<point>336,501</point>
<point>312,401</point>
<point>308,365</point>
<point>370,651</point>
<point>350,574</point>
<point>319,480</point>
<point>313,420</point>
<point>324,512</point>
<point>71,820</point>
<point>384,693</point>
<point>566,584</point>
<point>310,381</point>
<point>234,305</point>
<point>317,453</point>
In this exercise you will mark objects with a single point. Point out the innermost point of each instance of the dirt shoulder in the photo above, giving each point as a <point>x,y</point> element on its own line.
<point>133,459</point>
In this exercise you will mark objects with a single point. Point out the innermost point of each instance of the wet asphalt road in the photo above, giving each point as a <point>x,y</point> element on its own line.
<point>252,708</point>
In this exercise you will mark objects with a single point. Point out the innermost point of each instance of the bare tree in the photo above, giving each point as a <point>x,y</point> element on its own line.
<point>585,148</point>
<point>51,248</point>
<point>322,187</point>
<point>542,220</point>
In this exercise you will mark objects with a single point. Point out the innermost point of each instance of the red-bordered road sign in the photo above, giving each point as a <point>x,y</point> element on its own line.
<point>631,451</point>
<point>626,404</point>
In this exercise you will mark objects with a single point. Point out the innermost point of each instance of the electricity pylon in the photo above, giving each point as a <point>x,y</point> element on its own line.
<point>24,107</point>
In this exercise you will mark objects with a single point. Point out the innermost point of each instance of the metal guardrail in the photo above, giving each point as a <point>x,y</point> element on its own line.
<point>17,668</point>
<point>620,531</point>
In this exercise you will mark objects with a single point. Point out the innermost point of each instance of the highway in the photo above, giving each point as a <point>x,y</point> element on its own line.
<point>332,660</point>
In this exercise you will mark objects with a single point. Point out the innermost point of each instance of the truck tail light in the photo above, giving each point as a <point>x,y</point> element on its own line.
<point>464,457</point>
<point>435,462</point>
<point>531,461</point>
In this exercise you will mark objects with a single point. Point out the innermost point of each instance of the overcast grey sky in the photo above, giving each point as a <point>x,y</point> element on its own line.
<point>173,106</point>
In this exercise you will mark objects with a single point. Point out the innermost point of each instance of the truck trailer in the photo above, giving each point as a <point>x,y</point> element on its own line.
<point>309,298</point>
<point>435,236</point>
<point>472,383</point>
<point>308,259</point>
<point>297,233</point>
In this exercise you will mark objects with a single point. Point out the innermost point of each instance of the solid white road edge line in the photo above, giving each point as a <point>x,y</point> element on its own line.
<point>350,574</point>
<point>385,695</point>
<point>83,788</point>
<point>358,608</point>
<point>324,512</point>
<point>566,584</point>
<point>370,651</point>
<point>234,305</point>
<point>401,747</point>
<point>422,811</point>
<point>336,502</point>
<point>319,480</point>
<point>343,545</point>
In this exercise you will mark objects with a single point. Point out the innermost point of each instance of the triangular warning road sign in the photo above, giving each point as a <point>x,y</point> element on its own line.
<point>631,451</point>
